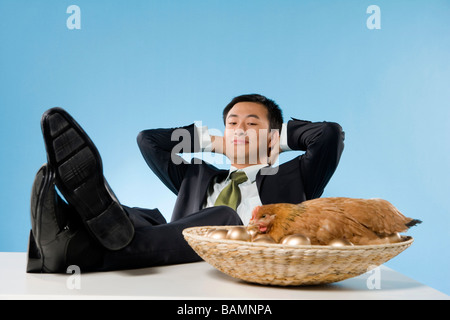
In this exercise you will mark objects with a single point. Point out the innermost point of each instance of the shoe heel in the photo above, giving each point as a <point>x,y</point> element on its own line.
<point>34,265</point>
<point>112,228</point>
<point>35,262</point>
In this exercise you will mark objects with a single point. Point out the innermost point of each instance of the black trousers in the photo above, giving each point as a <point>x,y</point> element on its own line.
<point>157,242</point>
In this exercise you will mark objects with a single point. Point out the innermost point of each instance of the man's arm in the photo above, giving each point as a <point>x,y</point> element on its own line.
<point>322,141</point>
<point>324,144</point>
<point>159,147</point>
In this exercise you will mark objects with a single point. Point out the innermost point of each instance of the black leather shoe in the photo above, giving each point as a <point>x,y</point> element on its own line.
<point>57,238</point>
<point>79,176</point>
<point>50,234</point>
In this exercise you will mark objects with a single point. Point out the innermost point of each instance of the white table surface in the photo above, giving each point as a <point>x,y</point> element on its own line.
<point>191,282</point>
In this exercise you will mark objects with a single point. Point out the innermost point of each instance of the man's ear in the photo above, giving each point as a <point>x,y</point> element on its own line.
<point>274,146</point>
<point>274,138</point>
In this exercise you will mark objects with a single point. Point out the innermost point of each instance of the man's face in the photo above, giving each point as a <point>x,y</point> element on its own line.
<point>247,134</point>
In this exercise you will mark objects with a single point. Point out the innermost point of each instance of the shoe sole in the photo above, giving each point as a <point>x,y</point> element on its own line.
<point>79,177</point>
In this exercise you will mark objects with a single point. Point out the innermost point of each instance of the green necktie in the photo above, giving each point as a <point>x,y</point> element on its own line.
<point>231,195</point>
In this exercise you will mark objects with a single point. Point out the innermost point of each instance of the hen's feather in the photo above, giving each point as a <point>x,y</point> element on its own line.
<point>360,221</point>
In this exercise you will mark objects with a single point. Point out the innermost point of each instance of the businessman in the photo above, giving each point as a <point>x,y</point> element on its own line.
<point>93,230</point>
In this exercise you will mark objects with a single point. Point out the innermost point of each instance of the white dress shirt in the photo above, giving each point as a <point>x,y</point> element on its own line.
<point>249,190</point>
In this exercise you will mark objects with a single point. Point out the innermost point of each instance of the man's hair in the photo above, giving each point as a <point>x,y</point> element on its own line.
<point>274,112</point>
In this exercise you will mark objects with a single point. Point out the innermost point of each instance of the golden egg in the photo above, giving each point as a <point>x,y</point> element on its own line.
<point>340,243</point>
<point>264,238</point>
<point>238,233</point>
<point>209,232</point>
<point>296,240</point>
<point>394,238</point>
<point>218,234</point>
<point>253,232</point>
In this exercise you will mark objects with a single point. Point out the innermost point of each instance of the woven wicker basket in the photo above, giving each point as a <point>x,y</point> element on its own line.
<point>287,265</point>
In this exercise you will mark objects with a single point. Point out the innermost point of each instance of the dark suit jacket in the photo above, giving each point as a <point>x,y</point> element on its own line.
<point>297,180</point>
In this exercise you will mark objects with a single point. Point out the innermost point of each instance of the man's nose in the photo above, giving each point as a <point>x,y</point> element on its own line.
<point>240,130</point>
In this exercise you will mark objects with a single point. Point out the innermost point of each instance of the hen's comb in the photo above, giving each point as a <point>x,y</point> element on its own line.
<point>254,212</point>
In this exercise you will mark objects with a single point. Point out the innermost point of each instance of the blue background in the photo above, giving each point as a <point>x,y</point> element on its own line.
<point>146,64</point>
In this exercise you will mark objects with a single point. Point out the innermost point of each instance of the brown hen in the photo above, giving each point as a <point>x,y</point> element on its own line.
<point>360,221</point>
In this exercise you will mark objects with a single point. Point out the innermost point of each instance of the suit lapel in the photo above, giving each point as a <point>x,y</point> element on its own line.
<point>280,184</point>
<point>207,177</point>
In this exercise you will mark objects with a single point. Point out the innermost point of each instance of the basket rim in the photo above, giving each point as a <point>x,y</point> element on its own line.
<point>408,240</point>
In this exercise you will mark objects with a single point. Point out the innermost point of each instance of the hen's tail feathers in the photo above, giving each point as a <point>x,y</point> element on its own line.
<point>413,222</point>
